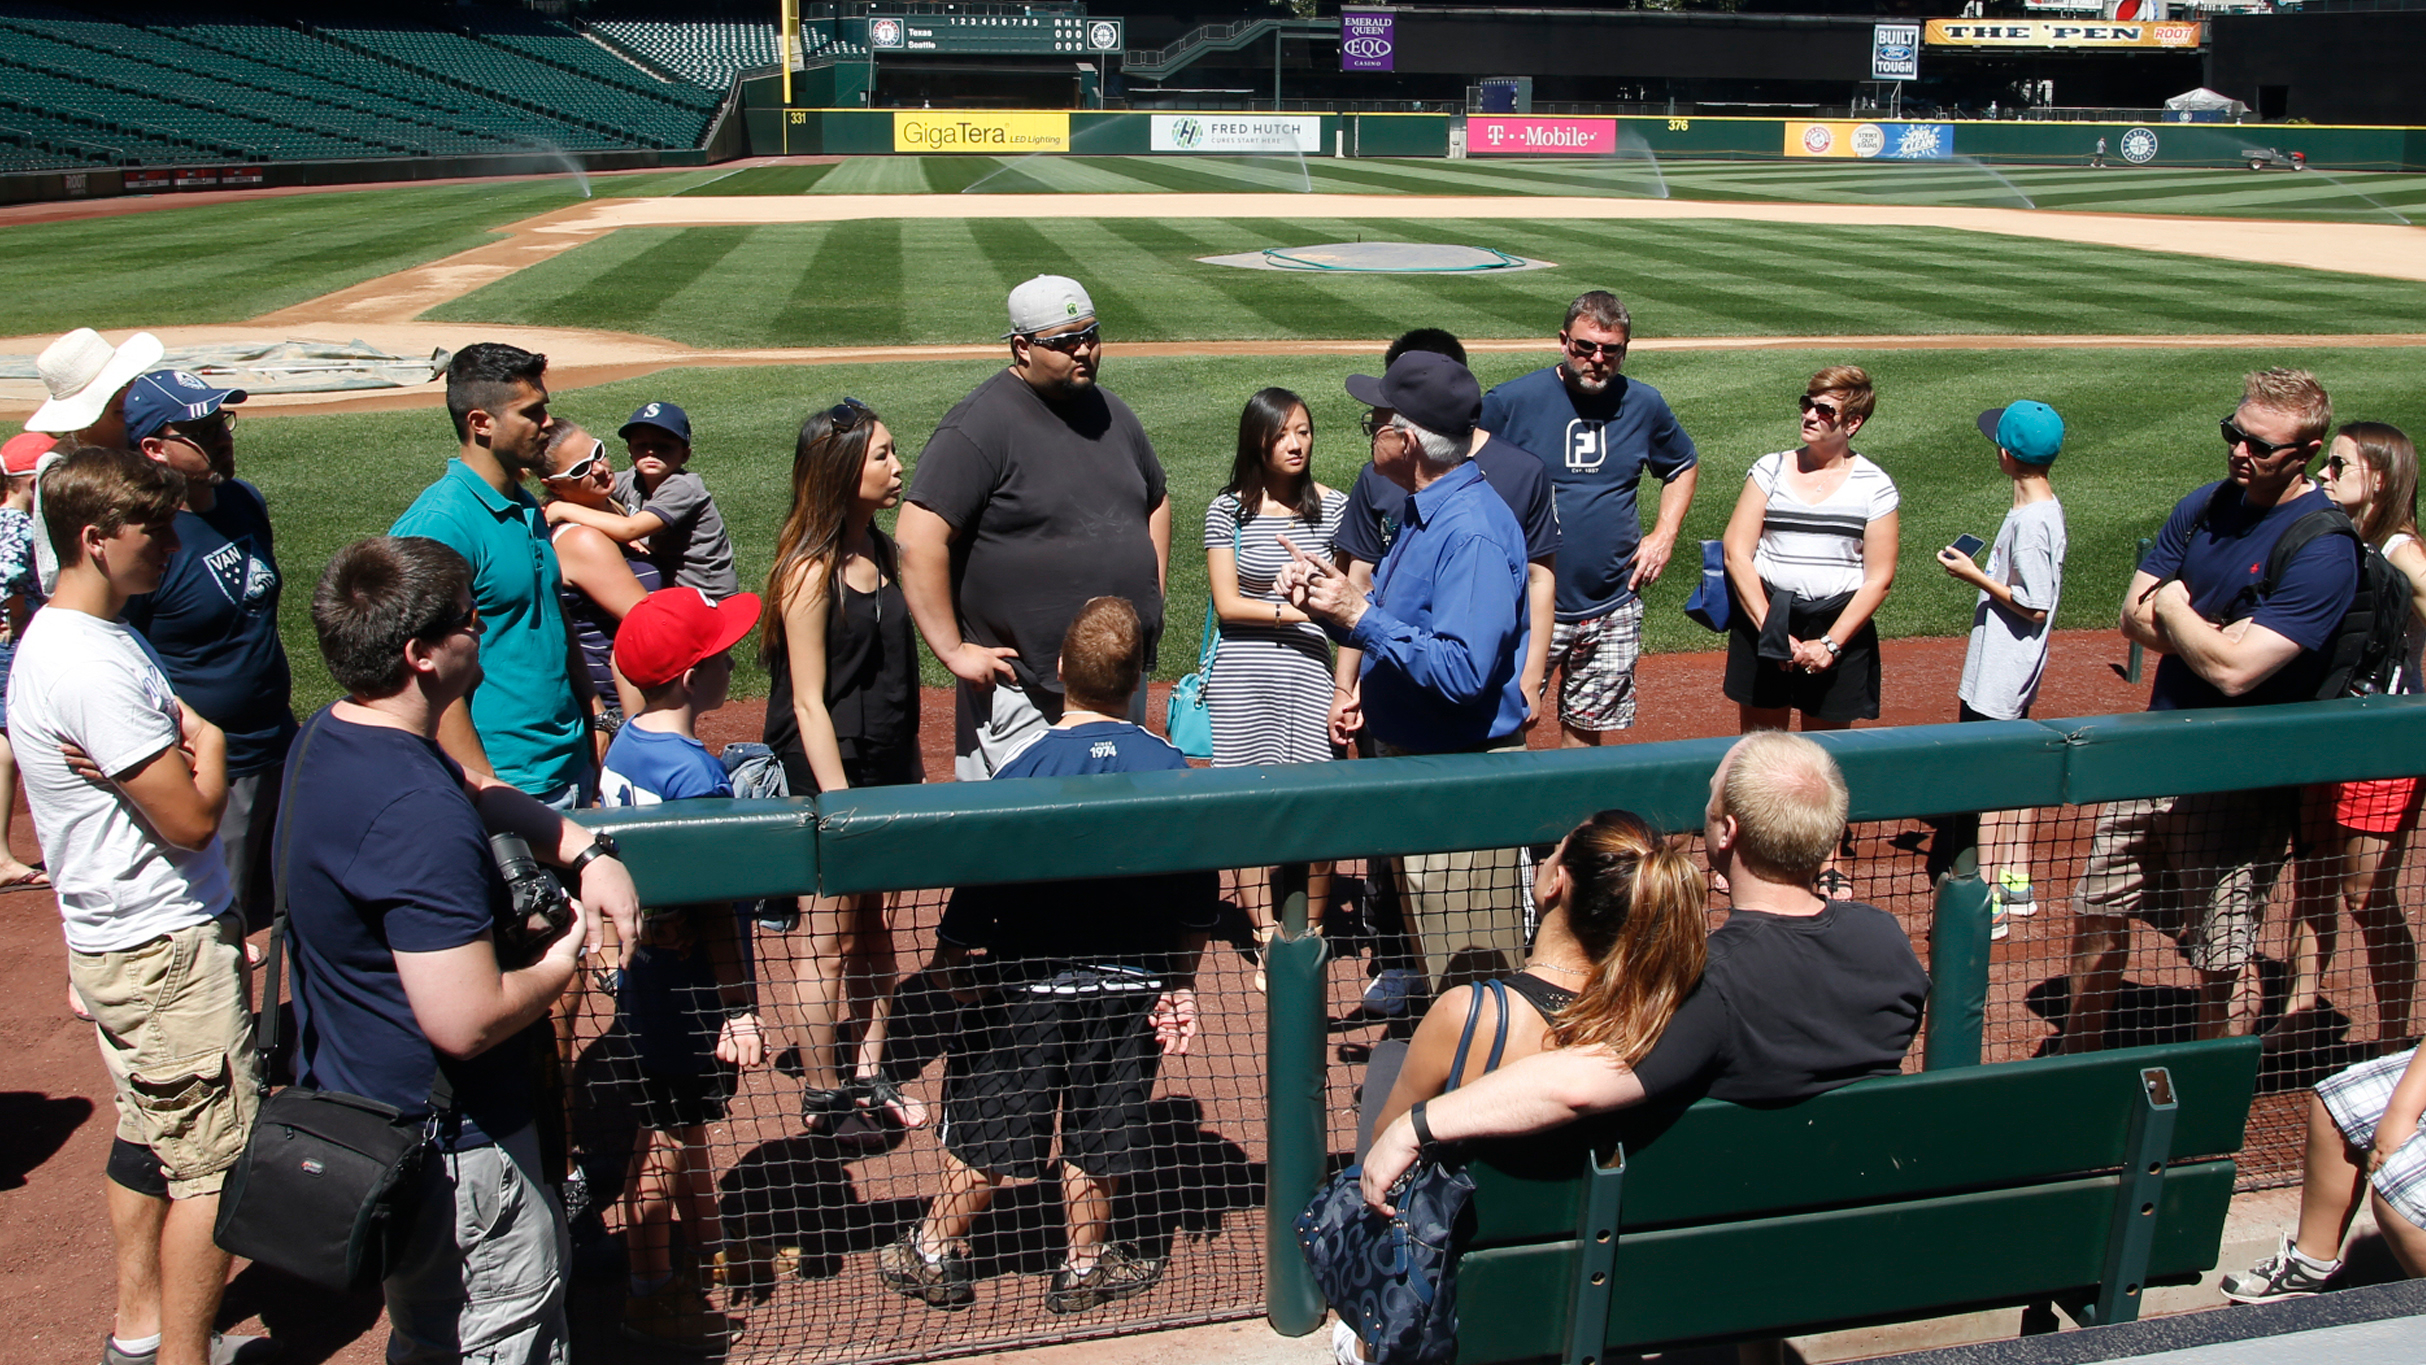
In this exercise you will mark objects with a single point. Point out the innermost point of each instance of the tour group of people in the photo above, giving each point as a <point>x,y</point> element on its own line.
<point>541,630</point>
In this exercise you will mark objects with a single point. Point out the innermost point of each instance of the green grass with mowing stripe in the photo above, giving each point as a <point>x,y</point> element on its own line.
<point>2142,434</point>
<point>228,261</point>
<point>943,280</point>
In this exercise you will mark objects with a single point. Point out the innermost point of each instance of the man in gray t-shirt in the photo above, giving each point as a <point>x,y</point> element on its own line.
<point>1036,493</point>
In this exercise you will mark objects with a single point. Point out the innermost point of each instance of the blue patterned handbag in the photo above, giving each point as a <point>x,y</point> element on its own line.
<point>1709,603</point>
<point>1388,1278</point>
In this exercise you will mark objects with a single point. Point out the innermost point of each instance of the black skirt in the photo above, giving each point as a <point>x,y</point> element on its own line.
<point>1846,692</point>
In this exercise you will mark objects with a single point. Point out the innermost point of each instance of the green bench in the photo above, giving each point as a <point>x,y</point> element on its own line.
<point>2077,1181</point>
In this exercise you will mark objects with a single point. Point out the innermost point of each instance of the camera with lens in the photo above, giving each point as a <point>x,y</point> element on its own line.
<point>537,909</point>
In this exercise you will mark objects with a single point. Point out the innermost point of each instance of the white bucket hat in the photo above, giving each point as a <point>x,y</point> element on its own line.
<point>83,372</point>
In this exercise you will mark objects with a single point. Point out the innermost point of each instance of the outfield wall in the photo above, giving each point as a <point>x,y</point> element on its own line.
<point>927,132</point>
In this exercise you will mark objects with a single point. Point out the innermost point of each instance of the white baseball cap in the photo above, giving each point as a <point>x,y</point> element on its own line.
<point>1047,301</point>
<point>83,373</point>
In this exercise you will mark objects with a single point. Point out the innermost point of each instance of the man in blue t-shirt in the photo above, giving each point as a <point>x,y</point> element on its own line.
<point>2200,867</point>
<point>402,992</point>
<point>1082,989</point>
<point>214,619</point>
<point>1597,431</point>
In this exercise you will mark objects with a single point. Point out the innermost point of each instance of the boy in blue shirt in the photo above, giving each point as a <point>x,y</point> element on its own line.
<point>684,1000</point>
<point>1083,987</point>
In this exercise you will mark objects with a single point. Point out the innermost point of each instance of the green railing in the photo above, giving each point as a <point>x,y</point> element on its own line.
<point>907,838</point>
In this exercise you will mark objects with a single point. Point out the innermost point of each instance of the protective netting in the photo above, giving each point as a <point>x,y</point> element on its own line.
<point>804,1220</point>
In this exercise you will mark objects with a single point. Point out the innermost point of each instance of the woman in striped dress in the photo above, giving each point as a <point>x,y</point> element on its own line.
<point>1810,554</point>
<point>1270,689</point>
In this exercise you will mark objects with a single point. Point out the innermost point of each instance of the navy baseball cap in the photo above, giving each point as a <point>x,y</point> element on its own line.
<point>1432,391</point>
<point>663,416</point>
<point>163,397</point>
<point>2031,432</point>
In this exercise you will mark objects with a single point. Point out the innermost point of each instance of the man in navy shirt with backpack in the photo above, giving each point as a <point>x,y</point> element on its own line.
<point>2234,629</point>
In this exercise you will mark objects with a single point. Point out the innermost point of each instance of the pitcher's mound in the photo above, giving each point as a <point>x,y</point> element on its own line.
<point>1381,258</point>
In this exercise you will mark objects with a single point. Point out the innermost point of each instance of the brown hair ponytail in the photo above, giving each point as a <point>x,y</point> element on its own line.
<point>1637,907</point>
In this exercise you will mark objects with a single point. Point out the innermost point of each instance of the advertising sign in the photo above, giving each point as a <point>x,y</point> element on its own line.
<point>933,130</point>
<point>1872,141</point>
<point>244,175</point>
<point>146,180</point>
<point>1368,40</point>
<point>1895,52</point>
<point>1238,133</point>
<point>2073,33</point>
<point>1524,135</point>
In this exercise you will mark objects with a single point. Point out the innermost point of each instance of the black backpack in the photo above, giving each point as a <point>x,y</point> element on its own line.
<point>2364,654</point>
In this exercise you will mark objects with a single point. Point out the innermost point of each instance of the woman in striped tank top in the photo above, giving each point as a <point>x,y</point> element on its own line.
<point>1270,689</point>
<point>1810,555</point>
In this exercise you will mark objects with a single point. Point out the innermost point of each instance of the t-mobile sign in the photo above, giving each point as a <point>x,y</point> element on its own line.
<point>1517,135</point>
<point>1368,40</point>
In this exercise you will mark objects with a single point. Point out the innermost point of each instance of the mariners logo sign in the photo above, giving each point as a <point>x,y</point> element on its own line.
<point>2139,146</point>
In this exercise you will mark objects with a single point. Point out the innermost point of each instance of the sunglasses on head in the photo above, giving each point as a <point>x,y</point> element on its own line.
<point>1086,336</point>
<point>1828,412</point>
<point>580,468</point>
<point>847,414</point>
<point>1593,350</point>
<point>2264,450</point>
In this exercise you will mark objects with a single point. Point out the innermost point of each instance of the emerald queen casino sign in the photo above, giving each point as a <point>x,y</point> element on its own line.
<point>1367,40</point>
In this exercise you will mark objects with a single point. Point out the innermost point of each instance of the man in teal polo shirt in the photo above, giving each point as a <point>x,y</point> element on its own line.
<point>526,721</point>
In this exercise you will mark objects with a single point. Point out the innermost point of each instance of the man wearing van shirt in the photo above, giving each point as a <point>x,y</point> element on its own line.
<point>214,618</point>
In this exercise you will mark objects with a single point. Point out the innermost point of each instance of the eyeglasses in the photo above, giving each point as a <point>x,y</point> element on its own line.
<point>580,470</point>
<point>1592,350</point>
<point>1828,412</point>
<point>209,431</point>
<point>1084,337</point>
<point>1375,424</point>
<point>846,414</point>
<point>2264,450</point>
<point>466,619</point>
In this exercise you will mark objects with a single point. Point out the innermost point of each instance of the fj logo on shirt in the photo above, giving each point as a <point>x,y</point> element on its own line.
<point>1586,448</point>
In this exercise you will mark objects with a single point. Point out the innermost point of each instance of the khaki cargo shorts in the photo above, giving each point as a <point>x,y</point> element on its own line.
<point>175,1022</point>
<point>2198,869</point>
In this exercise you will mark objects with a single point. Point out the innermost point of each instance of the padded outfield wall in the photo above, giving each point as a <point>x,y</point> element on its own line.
<point>996,132</point>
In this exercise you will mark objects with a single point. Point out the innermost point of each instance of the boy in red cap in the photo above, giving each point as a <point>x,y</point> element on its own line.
<point>684,999</point>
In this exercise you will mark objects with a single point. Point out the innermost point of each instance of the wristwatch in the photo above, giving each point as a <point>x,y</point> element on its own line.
<point>1830,646</point>
<point>1423,1128</point>
<point>605,847</point>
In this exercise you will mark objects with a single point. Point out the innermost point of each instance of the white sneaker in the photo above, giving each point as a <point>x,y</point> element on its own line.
<point>1997,928</point>
<point>1345,1348</point>
<point>1388,992</point>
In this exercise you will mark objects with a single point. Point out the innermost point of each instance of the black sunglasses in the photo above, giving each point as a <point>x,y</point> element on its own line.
<point>465,619</point>
<point>1828,412</point>
<point>846,414</point>
<point>1375,424</point>
<point>1089,335</point>
<point>2264,450</point>
<point>1592,350</point>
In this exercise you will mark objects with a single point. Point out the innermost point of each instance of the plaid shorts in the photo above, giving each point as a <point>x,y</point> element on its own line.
<point>1596,688</point>
<point>2356,1099</point>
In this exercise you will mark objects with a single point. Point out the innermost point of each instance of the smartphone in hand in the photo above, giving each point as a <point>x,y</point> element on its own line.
<point>1969,546</point>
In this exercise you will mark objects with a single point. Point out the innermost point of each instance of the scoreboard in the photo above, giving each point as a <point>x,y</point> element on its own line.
<point>998,34</point>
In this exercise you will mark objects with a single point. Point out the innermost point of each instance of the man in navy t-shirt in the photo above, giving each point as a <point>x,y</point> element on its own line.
<point>392,896</point>
<point>2200,868</point>
<point>1597,431</point>
<point>1082,989</point>
<point>214,619</point>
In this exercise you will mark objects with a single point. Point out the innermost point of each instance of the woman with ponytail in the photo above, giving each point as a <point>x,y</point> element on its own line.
<point>1621,945</point>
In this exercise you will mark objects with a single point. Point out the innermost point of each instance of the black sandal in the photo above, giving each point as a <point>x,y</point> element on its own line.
<point>881,1098</point>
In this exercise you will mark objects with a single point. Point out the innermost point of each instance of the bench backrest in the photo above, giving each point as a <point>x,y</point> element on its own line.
<point>1889,1198</point>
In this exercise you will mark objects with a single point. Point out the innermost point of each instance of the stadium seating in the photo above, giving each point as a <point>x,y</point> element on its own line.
<point>708,53</point>
<point>136,86</point>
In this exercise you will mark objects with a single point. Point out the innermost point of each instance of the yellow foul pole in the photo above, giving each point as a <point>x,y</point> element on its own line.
<point>787,44</point>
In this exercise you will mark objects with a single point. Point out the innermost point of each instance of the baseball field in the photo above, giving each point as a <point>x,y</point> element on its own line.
<point>2130,299</point>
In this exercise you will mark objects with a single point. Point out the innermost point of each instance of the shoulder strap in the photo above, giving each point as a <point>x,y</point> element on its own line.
<point>1474,1014</point>
<point>1499,1040</point>
<point>2325,521</point>
<point>1209,644</point>
<point>265,1032</point>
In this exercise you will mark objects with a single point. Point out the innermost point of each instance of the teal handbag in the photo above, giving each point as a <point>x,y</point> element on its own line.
<point>1188,716</point>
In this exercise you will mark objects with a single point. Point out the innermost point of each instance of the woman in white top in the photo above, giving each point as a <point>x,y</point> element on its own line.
<point>1270,692</point>
<point>1815,534</point>
<point>2358,831</point>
